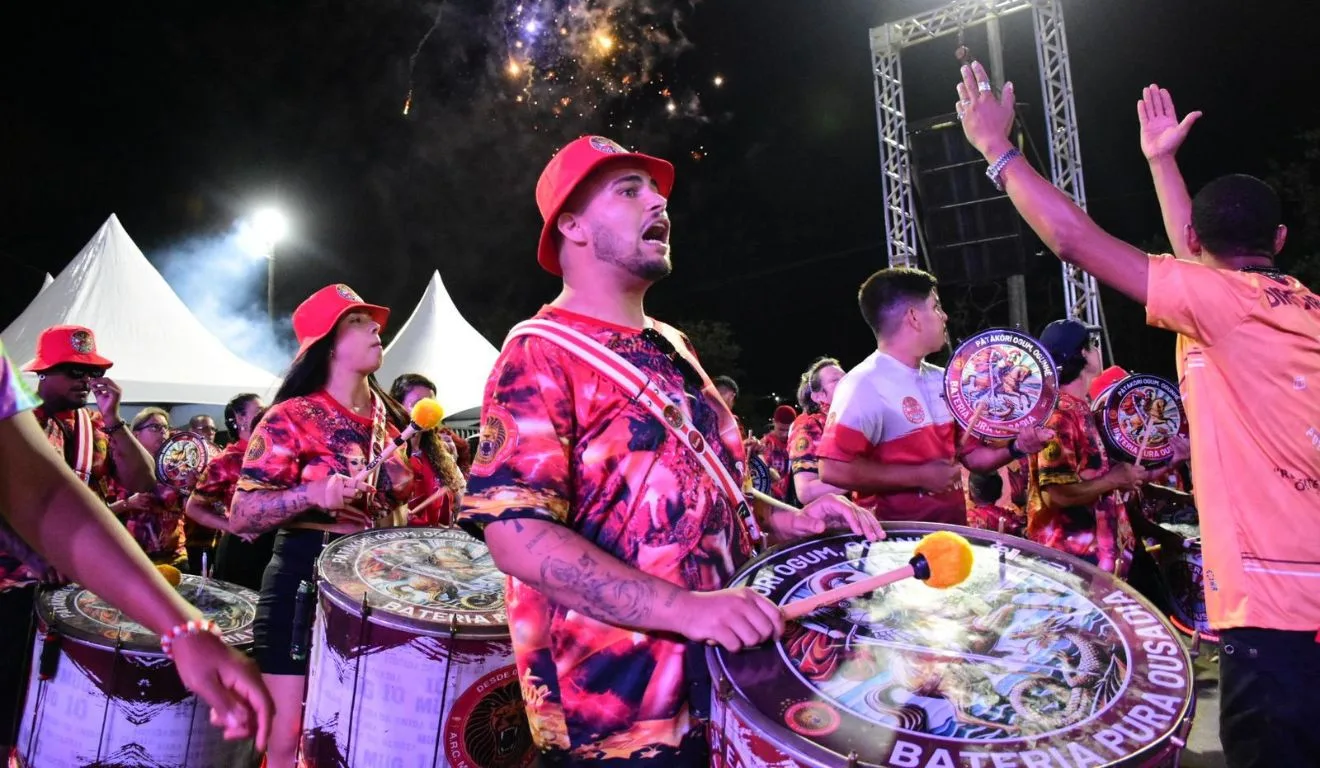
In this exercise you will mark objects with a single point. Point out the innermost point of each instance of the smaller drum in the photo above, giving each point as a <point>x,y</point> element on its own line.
<point>181,460</point>
<point>1000,382</point>
<point>758,475</point>
<point>1129,408</point>
<point>1183,573</point>
<point>411,656</point>
<point>102,693</point>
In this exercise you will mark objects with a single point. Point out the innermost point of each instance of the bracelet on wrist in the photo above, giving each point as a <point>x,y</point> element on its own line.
<point>996,170</point>
<point>188,628</point>
<point>118,425</point>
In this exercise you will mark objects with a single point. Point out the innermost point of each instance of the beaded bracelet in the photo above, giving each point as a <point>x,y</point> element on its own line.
<point>189,628</point>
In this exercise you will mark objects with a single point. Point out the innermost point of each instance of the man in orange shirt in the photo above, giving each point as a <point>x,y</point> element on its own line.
<point>1254,417</point>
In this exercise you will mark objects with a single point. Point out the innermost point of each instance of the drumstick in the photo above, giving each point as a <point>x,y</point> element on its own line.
<point>1145,441</point>
<point>942,559</point>
<point>973,422</point>
<point>426,414</point>
<point>772,501</point>
<point>427,501</point>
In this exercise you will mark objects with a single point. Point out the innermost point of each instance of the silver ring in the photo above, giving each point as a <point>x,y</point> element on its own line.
<point>966,102</point>
<point>983,86</point>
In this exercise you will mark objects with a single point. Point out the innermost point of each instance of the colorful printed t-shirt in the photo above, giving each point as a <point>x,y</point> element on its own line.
<point>19,563</point>
<point>563,444</point>
<point>889,413</point>
<point>1099,531</point>
<point>305,439</point>
<point>220,478</point>
<point>775,453</point>
<point>425,485</point>
<point>1250,381</point>
<point>990,516</point>
<point>158,529</point>
<point>803,440</point>
<point>60,433</point>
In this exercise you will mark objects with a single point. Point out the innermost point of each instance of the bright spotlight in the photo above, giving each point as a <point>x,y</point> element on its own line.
<point>270,225</point>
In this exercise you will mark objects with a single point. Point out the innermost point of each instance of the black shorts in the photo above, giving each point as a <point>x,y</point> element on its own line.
<point>243,563</point>
<point>292,562</point>
<point>16,613</point>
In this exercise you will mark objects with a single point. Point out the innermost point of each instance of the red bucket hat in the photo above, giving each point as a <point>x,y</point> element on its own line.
<point>1111,375</point>
<point>785,414</point>
<point>66,344</point>
<point>316,317</point>
<point>567,169</point>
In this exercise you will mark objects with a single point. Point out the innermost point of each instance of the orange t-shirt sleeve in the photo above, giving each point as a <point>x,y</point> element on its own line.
<point>1195,300</point>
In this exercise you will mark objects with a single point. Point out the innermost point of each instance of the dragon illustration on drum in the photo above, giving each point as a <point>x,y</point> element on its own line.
<point>456,575</point>
<point>1005,383</point>
<point>984,661</point>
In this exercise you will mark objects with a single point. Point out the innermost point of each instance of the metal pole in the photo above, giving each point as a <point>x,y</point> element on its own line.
<point>1017,284</point>
<point>270,284</point>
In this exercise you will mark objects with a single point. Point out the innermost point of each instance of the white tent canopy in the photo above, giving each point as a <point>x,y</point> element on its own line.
<point>161,351</point>
<point>439,344</point>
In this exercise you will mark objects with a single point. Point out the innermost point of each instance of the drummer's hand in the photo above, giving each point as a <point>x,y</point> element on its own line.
<point>734,618</point>
<point>107,394</point>
<point>1033,439</point>
<point>139,502</point>
<point>752,446</point>
<point>52,577</point>
<point>227,681</point>
<point>831,512</point>
<point>1182,449</point>
<point>938,476</point>
<point>335,492</point>
<point>1125,477</point>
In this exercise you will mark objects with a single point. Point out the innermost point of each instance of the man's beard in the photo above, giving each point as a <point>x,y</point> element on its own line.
<point>611,250</point>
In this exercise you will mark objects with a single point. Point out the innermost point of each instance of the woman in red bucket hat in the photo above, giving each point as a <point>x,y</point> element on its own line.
<point>328,420</point>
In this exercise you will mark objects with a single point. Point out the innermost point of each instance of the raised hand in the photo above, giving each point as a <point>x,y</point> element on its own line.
<point>1161,131</point>
<point>986,118</point>
<point>107,394</point>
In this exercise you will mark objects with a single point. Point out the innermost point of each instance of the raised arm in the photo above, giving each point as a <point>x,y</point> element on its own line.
<point>1064,228</point>
<point>134,468</point>
<point>1161,136</point>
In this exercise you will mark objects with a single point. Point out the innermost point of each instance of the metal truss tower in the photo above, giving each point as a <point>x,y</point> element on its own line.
<point>1081,296</point>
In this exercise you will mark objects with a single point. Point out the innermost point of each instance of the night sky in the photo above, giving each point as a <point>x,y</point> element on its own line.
<point>179,119</point>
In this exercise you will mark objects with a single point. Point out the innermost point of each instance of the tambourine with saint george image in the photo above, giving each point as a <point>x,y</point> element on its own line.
<point>999,382</point>
<point>1137,416</point>
<point>181,460</point>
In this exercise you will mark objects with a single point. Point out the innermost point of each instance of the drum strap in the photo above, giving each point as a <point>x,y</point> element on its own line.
<point>642,389</point>
<point>378,437</point>
<point>76,445</point>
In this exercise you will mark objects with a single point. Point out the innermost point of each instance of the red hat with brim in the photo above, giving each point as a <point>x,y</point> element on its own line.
<point>66,345</point>
<point>316,318</point>
<point>567,169</point>
<point>785,414</point>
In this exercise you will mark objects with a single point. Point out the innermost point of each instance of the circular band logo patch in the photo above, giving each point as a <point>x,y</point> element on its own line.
<point>82,343</point>
<point>498,434</point>
<point>812,718</point>
<point>487,726</point>
<point>602,144</point>
<point>346,293</point>
<point>759,474</point>
<point>912,410</point>
<point>1000,382</point>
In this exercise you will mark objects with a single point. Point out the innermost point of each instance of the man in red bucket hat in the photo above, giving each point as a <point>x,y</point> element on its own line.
<point>607,484</point>
<point>98,448</point>
<point>95,444</point>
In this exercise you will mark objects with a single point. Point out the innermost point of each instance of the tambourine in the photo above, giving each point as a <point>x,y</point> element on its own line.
<point>181,460</point>
<point>758,473</point>
<point>1137,406</point>
<point>1000,382</point>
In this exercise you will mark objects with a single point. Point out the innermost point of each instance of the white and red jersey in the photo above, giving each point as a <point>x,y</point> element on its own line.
<point>890,413</point>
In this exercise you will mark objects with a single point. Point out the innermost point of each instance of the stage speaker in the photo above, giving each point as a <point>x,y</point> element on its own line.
<point>972,232</point>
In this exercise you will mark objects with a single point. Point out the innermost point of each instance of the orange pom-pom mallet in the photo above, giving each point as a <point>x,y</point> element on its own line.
<point>426,415</point>
<point>171,574</point>
<point>942,559</point>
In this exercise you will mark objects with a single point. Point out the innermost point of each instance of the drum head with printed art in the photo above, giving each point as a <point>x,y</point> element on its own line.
<point>999,382</point>
<point>429,580</point>
<point>181,460</point>
<point>78,613</point>
<point>1135,406</point>
<point>1035,652</point>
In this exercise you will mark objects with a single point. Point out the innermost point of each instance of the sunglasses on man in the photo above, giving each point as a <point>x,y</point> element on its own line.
<point>79,371</point>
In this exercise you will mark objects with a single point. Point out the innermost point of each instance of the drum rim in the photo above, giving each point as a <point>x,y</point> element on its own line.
<point>388,619</point>
<point>783,736</point>
<point>151,647</point>
<point>1053,374</point>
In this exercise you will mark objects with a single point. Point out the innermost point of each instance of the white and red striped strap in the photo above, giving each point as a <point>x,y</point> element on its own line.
<point>84,444</point>
<point>638,386</point>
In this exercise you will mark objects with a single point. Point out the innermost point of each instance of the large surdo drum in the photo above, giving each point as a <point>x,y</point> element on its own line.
<point>102,693</point>
<point>1036,660</point>
<point>411,656</point>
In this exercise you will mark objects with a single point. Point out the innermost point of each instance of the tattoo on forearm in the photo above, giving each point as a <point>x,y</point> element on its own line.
<point>625,601</point>
<point>267,510</point>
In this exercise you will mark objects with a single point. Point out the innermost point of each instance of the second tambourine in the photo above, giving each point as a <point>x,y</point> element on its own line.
<point>1000,382</point>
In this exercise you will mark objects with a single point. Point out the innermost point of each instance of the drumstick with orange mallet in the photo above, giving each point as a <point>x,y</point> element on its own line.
<point>426,415</point>
<point>942,559</point>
